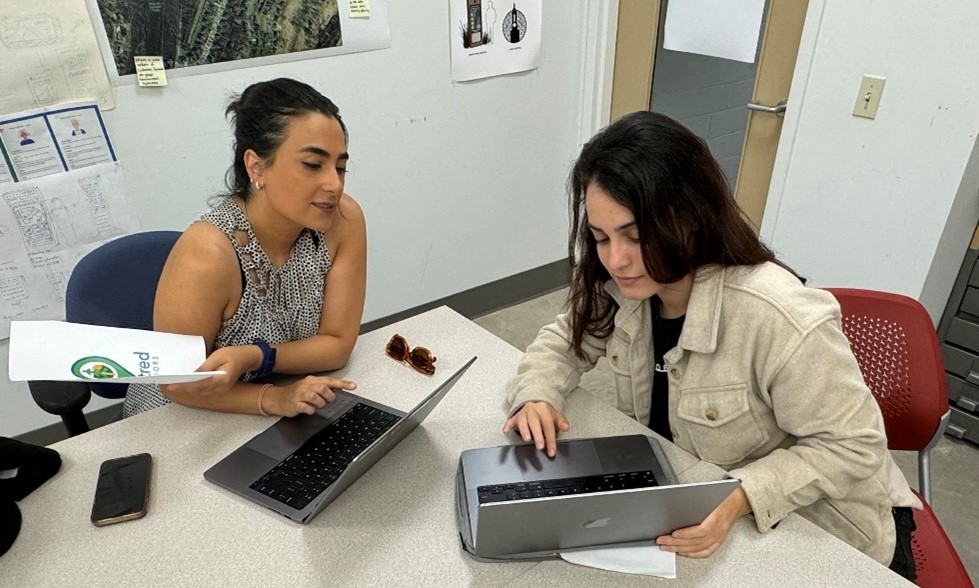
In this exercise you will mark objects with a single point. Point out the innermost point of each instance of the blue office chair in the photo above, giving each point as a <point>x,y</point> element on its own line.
<point>114,286</point>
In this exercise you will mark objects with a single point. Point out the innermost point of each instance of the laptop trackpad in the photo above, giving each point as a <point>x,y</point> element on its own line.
<point>286,436</point>
<point>573,459</point>
<point>629,453</point>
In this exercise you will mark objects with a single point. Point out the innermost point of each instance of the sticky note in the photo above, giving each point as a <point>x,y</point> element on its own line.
<point>149,70</point>
<point>360,8</point>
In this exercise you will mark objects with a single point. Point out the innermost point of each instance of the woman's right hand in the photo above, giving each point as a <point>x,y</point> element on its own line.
<point>305,395</point>
<point>538,421</point>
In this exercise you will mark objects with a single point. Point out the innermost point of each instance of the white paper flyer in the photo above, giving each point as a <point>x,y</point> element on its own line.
<point>56,350</point>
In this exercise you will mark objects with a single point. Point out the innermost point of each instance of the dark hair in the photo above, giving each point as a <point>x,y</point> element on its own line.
<point>685,212</point>
<point>260,116</point>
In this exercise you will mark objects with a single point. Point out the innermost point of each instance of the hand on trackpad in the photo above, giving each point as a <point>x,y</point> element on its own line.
<point>573,459</point>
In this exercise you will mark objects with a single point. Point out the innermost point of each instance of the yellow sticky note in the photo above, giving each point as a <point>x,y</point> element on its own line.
<point>149,70</point>
<point>360,8</point>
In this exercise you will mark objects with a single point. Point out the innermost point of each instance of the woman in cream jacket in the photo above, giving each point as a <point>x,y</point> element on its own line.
<point>714,345</point>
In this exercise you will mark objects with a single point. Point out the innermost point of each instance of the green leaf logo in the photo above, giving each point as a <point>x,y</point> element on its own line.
<point>94,367</point>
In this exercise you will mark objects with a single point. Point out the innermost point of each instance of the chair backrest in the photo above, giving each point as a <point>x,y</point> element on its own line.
<point>897,348</point>
<point>115,286</point>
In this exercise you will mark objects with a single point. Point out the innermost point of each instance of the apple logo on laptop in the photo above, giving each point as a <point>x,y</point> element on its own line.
<point>597,523</point>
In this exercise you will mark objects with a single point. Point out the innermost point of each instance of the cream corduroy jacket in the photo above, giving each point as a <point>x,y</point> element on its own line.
<point>763,384</point>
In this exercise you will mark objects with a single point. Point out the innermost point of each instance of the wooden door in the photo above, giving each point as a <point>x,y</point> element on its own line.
<point>637,39</point>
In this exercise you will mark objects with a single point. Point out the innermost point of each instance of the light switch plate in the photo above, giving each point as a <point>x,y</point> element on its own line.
<point>868,97</point>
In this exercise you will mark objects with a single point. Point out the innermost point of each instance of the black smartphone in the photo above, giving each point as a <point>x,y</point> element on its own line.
<point>122,490</point>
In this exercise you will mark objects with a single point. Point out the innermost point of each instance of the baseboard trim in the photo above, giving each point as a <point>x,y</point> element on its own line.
<point>481,300</point>
<point>53,433</point>
<point>472,303</point>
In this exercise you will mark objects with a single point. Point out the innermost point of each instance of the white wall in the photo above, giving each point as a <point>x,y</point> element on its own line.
<point>885,203</point>
<point>462,184</point>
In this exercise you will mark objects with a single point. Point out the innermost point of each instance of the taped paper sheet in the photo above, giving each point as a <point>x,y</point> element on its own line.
<point>728,30</point>
<point>50,55</point>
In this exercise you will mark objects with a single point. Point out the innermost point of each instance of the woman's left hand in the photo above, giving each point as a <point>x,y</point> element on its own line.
<point>234,361</point>
<point>703,540</point>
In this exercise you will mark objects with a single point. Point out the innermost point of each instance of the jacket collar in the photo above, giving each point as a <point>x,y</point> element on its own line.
<point>703,316</point>
<point>627,307</point>
<point>704,311</point>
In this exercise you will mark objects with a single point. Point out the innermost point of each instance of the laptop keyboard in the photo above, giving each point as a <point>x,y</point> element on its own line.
<point>310,470</point>
<point>565,486</point>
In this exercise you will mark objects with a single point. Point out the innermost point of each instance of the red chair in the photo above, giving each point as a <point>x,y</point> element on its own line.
<point>896,346</point>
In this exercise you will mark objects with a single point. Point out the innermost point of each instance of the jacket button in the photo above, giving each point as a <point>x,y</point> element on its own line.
<point>614,360</point>
<point>675,374</point>
<point>711,414</point>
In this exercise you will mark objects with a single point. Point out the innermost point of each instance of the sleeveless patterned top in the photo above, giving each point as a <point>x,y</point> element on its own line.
<point>278,304</point>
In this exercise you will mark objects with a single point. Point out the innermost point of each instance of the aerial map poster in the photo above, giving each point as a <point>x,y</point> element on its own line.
<point>189,34</point>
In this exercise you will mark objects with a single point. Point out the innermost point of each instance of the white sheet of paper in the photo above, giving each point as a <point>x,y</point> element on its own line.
<point>647,560</point>
<point>722,29</point>
<point>53,140</point>
<point>54,221</point>
<point>494,37</point>
<point>167,379</point>
<point>50,55</point>
<point>56,350</point>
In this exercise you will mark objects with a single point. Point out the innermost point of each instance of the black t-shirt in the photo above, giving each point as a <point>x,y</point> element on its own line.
<point>666,334</point>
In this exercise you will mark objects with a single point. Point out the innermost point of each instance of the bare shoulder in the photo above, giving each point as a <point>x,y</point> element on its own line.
<point>349,225</point>
<point>200,285</point>
<point>351,214</point>
<point>203,251</point>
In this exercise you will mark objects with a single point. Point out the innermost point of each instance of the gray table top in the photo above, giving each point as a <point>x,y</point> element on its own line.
<point>395,526</point>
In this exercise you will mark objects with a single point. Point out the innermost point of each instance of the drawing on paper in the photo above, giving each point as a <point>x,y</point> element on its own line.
<point>63,220</point>
<point>188,33</point>
<point>13,290</point>
<point>48,224</point>
<point>32,219</point>
<point>36,31</point>
<point>477,30</point>
<point>95,198</point>
<point>43,88</point>
<point>78,71</point>
<point>514,25</point>
<point>59,284</point>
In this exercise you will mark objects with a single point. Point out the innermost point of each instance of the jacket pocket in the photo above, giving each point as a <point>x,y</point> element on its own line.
<point>720,424</point>
<point>617,354</point>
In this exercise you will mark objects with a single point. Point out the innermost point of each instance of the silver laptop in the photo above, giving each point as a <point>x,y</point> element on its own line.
<point>301,464</point>
<point>515,503</point>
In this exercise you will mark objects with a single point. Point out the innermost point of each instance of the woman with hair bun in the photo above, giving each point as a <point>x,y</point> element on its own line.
<point>274,275</point>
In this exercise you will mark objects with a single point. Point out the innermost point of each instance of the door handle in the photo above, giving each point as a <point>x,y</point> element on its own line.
<point>777,109</point>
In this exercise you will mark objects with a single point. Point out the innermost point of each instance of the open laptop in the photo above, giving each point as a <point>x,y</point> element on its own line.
<point>515,503</point>
<point>301,464</point>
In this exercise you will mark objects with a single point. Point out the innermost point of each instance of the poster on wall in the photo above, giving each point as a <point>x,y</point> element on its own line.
<point>493,37</point>
<point>49,223</point>
<point>49,55</point>
<point>53,140</point>
<point>204,36</point>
